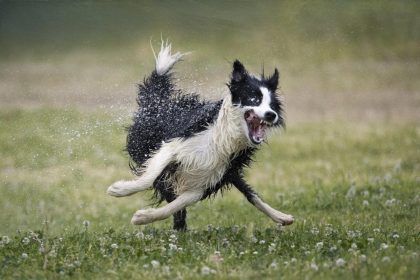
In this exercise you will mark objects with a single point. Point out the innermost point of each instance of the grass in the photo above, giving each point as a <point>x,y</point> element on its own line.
<point>347,167</point>
<point>354,190</point>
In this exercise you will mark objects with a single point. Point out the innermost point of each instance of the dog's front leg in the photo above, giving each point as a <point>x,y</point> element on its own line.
<point>185,199</point>
<point>254,199</point>
<point>153,168</point>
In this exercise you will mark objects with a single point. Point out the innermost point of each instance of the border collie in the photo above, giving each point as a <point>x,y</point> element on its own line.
<point>188,149</point>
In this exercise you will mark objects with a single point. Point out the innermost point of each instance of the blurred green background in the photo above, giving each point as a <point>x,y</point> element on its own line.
<point>338,59</point>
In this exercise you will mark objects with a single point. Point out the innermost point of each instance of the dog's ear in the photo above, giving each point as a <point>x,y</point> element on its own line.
<point>273,81</point>
<point>239,72</point>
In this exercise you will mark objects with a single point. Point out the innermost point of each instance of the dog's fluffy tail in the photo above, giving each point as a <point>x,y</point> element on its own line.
<point>158,86</point>
<point>165,60</point>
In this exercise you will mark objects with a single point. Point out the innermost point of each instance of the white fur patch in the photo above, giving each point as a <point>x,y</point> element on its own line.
<point>146,216</point>
<point>265,104</point>
<point>204,158</point>
<point>165,59</point>
<point>274,214</point>
<point>155,166</point>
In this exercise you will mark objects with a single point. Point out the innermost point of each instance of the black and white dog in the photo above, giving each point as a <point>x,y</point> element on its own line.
<point>187,149</point>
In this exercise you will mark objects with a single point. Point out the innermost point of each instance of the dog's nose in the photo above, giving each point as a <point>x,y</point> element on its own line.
<point>270,116</point>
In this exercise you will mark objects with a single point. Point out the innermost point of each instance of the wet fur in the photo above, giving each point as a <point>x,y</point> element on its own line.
<point>188,149</point>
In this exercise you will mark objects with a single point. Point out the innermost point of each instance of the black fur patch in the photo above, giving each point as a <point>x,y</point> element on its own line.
<point>165,113</point>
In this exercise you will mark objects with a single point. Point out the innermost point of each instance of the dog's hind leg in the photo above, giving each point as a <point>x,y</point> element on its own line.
<point>185,199</point>
<point>254,199</point>
<point>153,168</point>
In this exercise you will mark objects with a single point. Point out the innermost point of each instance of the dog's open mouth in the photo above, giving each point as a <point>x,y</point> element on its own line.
<point>256,127</point>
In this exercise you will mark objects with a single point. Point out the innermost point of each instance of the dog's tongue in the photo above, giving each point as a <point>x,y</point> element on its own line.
<point>256,127</point>
<point>258,133</point>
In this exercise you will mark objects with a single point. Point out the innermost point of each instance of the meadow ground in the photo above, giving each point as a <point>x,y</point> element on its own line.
<point>347,167</point>
<point>354,190</point>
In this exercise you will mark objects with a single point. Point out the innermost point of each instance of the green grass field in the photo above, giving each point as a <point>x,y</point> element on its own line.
<point>347,167</point>
<point>354,190</point>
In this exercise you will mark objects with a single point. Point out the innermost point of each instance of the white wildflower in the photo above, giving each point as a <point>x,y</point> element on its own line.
<point>140,235</point>
<point>390,202</point>
<point>166,269</point>
<point>351,234</point>
<point>173,238</point>
<point>5,240</point>
<point>205,270</point>
<point>255,253</point>
<point>319,245</point>
<point>26,240</point>
<point>41,248</point>
<point>314,266</point>
<point>148,237</point>
<point>86,223</point>
<point>395,236</point>
<point>386,259</point>
<point>52,253</point>
<point>328,230</point>
<point>24,256</point>
<point>172,247</point>
<point>365,203</point>
<point>114,246</point>
<point>235,229</point>
<point>272,247</point>
<point>273,265</point>
<point>262,242</point>
<point>351,192</point>
<point>363,258</point>
<point>384,246</point>
<point>315,231</point>
<point>370,239</point>
<point>155,264</point>
<point>340,262</point>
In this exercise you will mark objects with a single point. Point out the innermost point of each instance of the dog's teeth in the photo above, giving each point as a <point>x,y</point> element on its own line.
<point>261,122</point>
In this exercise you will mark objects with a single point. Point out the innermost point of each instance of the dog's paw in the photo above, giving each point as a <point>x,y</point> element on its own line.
<point>142,217</point>
<point>120,188</point>
<point>283,219</point>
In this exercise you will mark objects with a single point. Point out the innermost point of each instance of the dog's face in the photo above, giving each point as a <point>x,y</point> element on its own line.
<point>258,101</point>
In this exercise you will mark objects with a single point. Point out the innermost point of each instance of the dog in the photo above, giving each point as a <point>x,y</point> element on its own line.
<point>188,149</point>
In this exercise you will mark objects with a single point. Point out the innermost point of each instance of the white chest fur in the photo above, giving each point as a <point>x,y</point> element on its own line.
<point>203,159</point>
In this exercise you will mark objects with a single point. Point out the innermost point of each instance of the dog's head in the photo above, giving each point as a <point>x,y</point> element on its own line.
<point>258,101</point>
